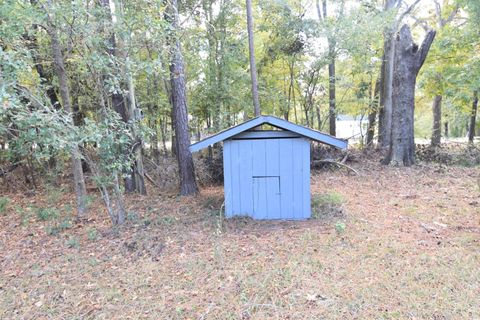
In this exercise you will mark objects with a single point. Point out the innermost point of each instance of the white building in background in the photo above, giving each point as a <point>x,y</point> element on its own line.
<point>351,127</point>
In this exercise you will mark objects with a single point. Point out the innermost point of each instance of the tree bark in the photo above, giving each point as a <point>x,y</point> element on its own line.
<point>332,114</point>
<point>387,82</point>
<point>137,168</point>
<point>473,117</point>
<point>385,113</point>
<point>188,184</point>
<point>408,61</point>
<point>372,115</point>
<point>253,67</point>
<point>437,121</point>
<point>78,178</point>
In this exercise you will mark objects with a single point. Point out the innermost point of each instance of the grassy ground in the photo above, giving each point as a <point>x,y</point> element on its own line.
<point>405,244</point>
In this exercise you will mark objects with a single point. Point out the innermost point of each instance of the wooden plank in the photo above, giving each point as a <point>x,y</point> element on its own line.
<point>307,132</point>
<point>286,186</point>
<point>258,157</point>
<point>266,197</point>
<point>297,178</point>
<point>267,134</point>
<point>306,179</point>
<point>271,158</point>
<point>223,135</point>
<point>245,173</point>
<point>273,197</point>
<point>235,176</point>
<point>227,176</point>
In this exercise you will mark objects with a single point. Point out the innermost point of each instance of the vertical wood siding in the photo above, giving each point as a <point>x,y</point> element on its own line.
<point>267,178</point>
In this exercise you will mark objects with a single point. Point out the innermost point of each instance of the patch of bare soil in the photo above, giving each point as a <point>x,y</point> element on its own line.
<point>410,249</point>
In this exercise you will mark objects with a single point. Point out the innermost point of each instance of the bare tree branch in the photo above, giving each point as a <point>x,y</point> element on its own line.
<point>427,42</point>
<point>420,22</point>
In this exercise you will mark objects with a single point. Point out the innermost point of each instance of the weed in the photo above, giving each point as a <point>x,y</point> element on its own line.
<point>93,262</point>
<point>90,200</point>
<point>132,216</point>
<point>327,205</point>
<point>73,242</point>
<point>56,228</point>
<point>146,222</point>
<point>24,215</point>
<point>3,205</point>
<point>211,202</point>
<point>92,234</point>
<point>165,221</point>
<point>45,214</point>
<point>340,227</point>
<point>54,194</point>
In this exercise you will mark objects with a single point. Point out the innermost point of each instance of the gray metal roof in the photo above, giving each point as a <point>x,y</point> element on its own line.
<point>276,122</point>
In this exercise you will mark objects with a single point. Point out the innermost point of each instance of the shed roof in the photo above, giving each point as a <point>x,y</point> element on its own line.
<point>276,122</point>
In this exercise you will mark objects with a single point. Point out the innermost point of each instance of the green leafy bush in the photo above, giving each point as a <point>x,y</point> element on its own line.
<point>46,214</point>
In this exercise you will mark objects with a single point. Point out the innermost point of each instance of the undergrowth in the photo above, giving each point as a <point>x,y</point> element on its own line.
<point>327,205</point>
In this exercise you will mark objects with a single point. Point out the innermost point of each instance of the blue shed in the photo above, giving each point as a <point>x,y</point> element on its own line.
<point>267,172</point>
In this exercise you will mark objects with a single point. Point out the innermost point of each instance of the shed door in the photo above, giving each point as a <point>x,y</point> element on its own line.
<point>266,197</point>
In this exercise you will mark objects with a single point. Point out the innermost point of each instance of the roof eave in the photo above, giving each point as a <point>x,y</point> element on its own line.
<point>276,122</point>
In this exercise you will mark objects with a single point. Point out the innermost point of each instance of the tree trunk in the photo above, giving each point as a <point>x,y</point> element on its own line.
<point>372,115</point>
<point>445,126</point>
<point>78,178</point>
<point>332,114</point>
<point>137,168</point>
<point>385,113</point>
<point>473,117</point>
<point>408,61</point>
<point>437,121</point>
<point>188,185</point>
<point>253,67</point>
<point>387,83</point>
<point>437,101</point>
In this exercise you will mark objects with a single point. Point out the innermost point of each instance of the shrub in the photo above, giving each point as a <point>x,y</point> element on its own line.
<point>45,214</point>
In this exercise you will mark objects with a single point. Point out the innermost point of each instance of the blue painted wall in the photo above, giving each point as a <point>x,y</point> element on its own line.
<point>267,175</point>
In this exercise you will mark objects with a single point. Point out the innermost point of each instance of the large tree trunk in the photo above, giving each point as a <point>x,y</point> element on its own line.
<point>78,178</point>
<point>188,185</point>
<point>385,113</point>
<point>253,67</point>
<point>408,61</point>
<point>387,83</point>
<point>473,117</point>
<point>437,121</point>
